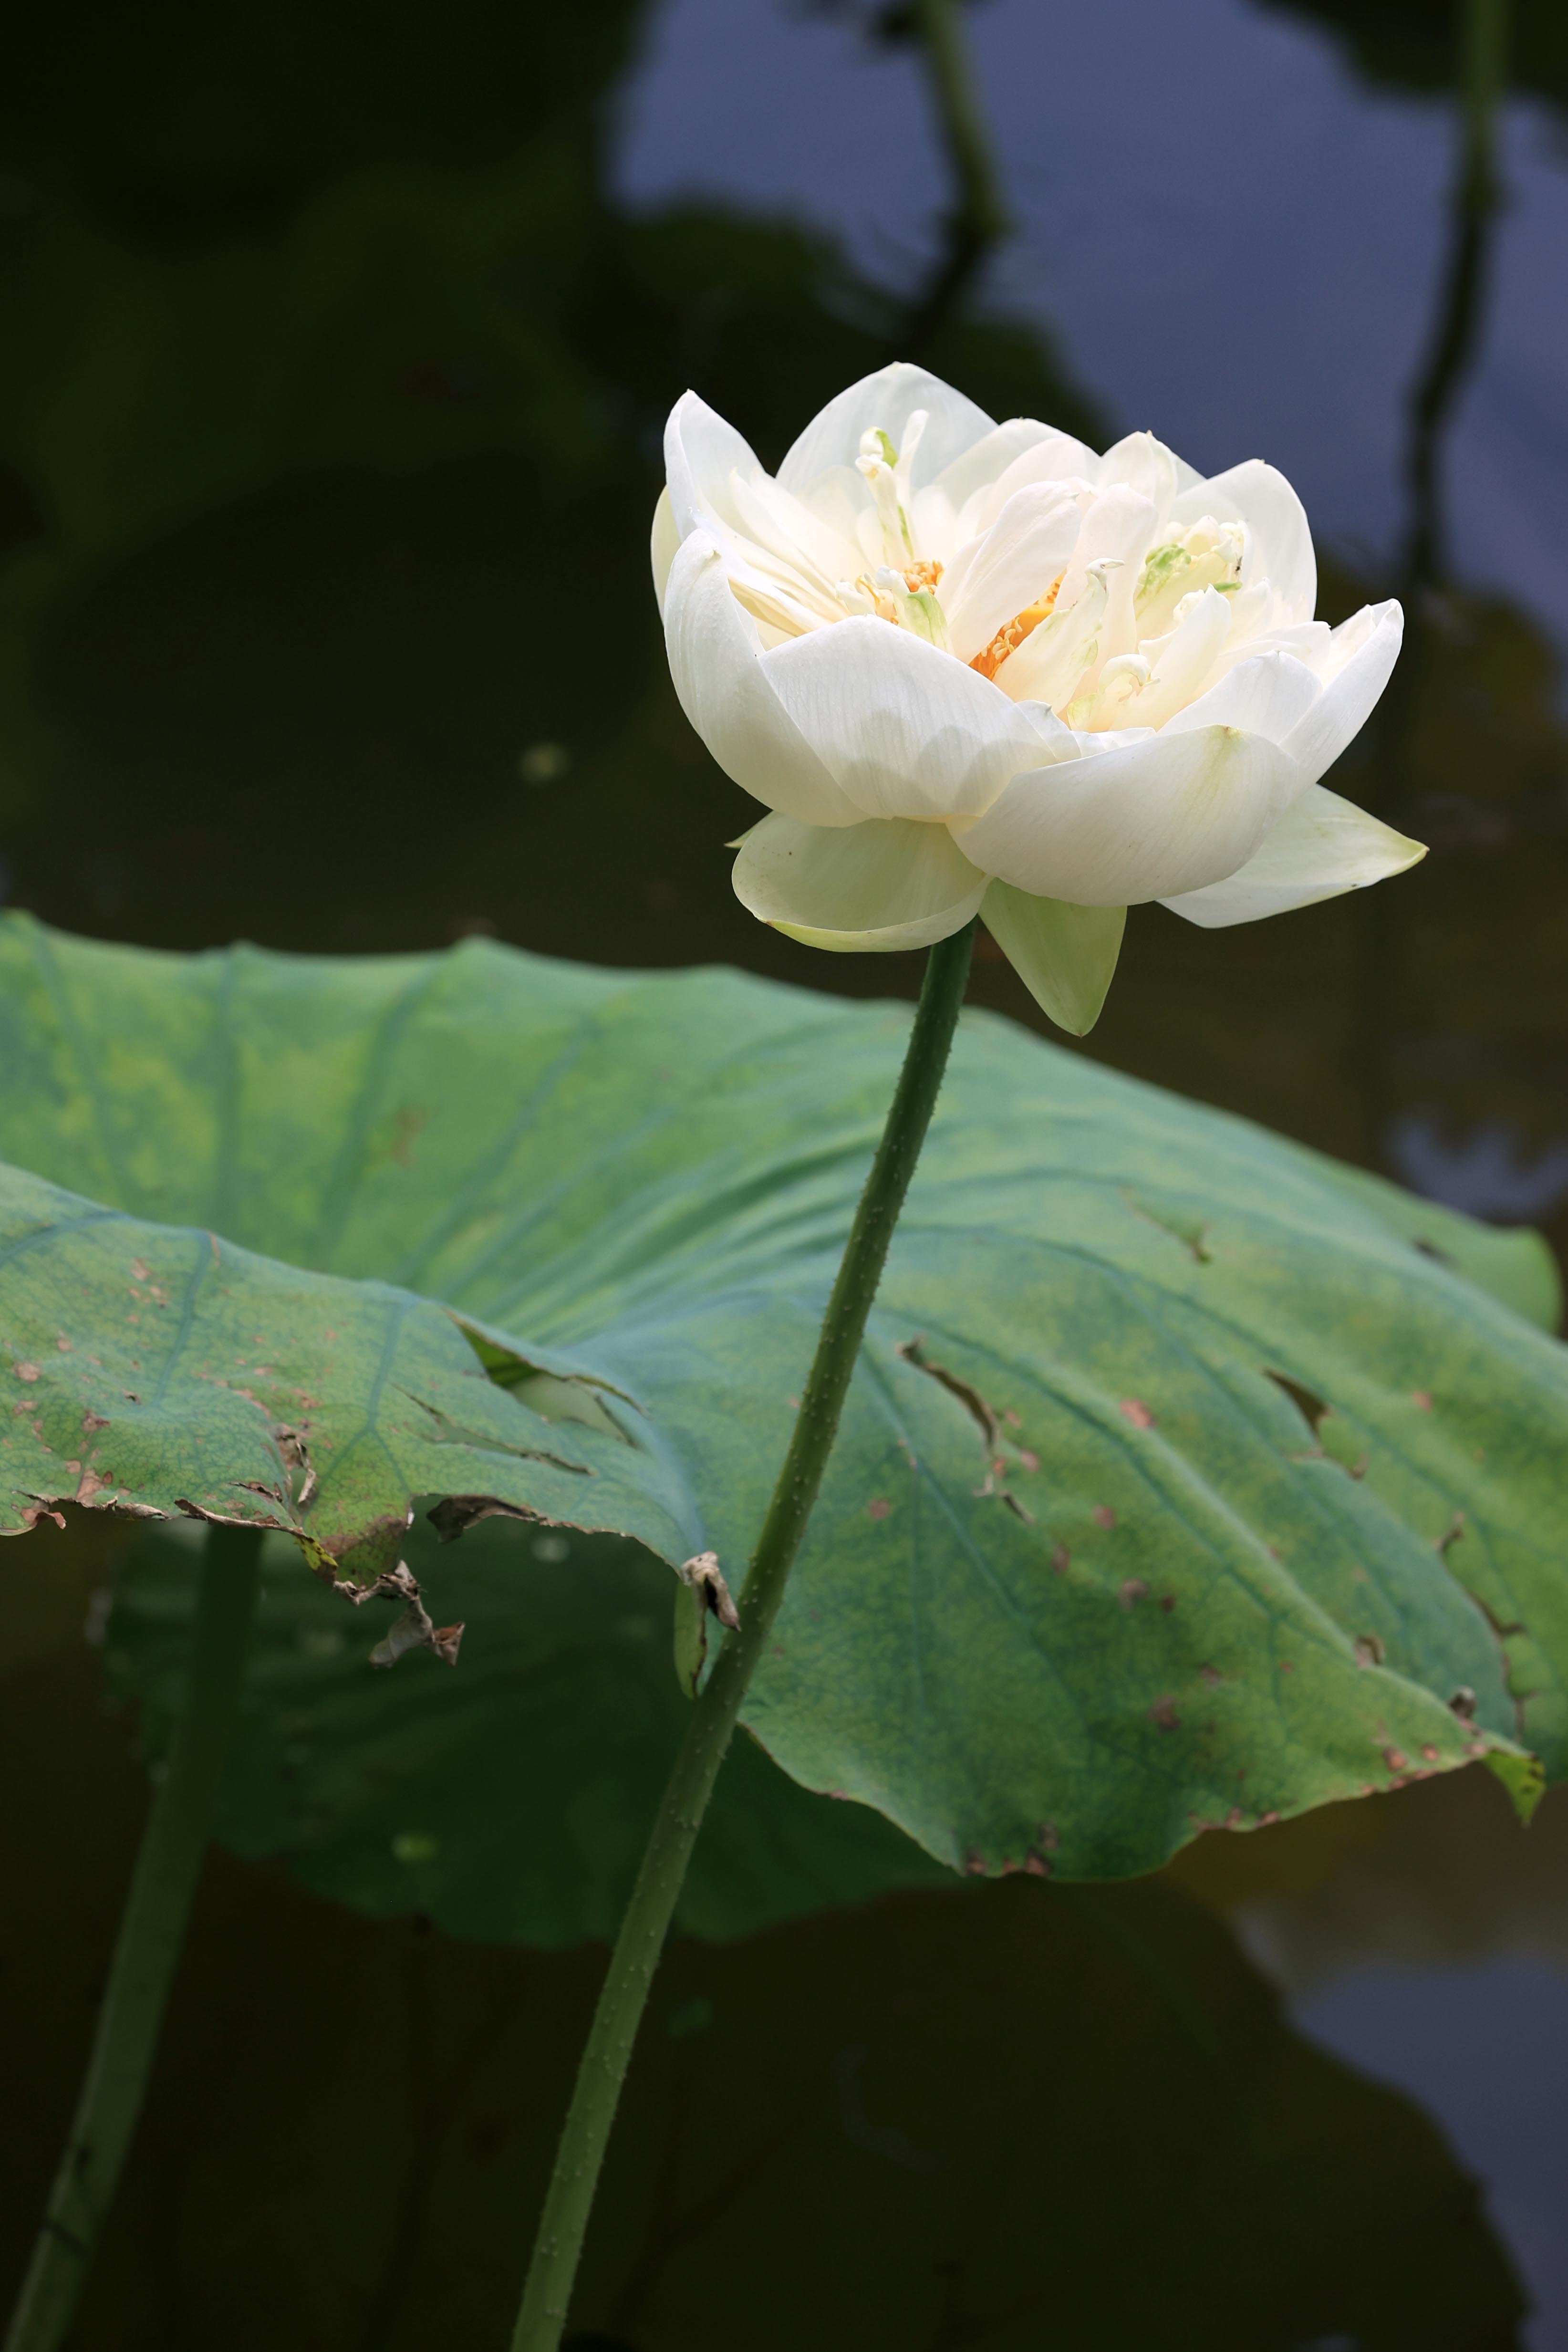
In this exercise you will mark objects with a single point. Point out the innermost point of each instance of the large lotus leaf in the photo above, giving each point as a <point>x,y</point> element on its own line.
<point>508,1801</point>
<point>1181,1484</point>
<point>351,1396</point>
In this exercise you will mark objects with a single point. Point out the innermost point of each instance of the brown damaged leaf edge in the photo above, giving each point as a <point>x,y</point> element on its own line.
<point>1001,1451</point>
<point>455,1513</point>
<point>1505,1630</point>
<point>414,1629</point>
<point>1524,1776</point>
<point>362,1563</point>
<point>913,1351</point>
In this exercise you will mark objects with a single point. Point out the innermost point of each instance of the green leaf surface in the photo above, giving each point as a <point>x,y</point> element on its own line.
<point>158,1370</point>
<point>1180,1485</point>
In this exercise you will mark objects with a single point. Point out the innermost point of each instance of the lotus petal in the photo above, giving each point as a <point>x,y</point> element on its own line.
<point>1114,828</point>
<point>905,730</point>
<point>1279,541</point>
<point>886,400</point>
<point>1064,955</point>
<point>882,885</point>
<point>1319,848</point>
<point>717,664</point>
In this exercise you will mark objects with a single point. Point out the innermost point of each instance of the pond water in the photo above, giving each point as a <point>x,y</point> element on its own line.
<point>337,358</point>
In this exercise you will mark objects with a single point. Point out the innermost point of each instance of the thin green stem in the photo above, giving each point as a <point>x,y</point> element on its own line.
<point>151,1930</point>
<point>716,1709</point>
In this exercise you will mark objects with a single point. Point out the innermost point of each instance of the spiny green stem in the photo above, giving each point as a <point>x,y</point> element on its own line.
<point>716,1709</point>
<point>151,1930</point>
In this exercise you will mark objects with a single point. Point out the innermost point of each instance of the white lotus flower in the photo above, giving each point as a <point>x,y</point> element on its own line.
<point>975,668</point>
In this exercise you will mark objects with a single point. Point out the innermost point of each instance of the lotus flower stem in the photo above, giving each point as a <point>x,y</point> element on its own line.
<point>151,1930</point>
<point>716,1709</point>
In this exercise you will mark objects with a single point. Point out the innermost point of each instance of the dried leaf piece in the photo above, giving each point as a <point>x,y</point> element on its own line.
<point>701,1593</point>
<point>414,1629</point>
<point>706,1578</point>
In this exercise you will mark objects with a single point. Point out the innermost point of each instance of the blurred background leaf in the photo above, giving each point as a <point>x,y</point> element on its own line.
<point>1410,43</point>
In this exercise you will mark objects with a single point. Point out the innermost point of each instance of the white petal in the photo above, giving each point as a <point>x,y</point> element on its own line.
<point>1182,661</point>
<point>716,663</point>
<point>778,595</point>
<point>791,528</point>
<point>667,537</point>
<point>881,886</point>
<point>1064,955</point>
<point>1117,827</point>
<point>933,524</point>
<point>1310,640</point>
<point>904,729</point>
<point>1053,457</point>
<point>812,558</point>
<point>839,497</point>
<point>700,452</point>
<point>1362,653</point>
<point>1145,466</point>
<point>1059,741</point>
<point>1273,695</point>
<point>1047,666</point>
<point>996,576</point>
<point>1320,847</point>
<point>715,485</point>
<point>1117,528</point>
<point>887,399</point>
<point>1278,542</point>
<point>985,460</point>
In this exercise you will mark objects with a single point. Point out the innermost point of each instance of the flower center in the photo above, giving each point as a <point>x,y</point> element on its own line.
<point>1011,634</point>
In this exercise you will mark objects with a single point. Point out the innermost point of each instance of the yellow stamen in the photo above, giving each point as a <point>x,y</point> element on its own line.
<point>1008,638</point>
<point>922,575</point>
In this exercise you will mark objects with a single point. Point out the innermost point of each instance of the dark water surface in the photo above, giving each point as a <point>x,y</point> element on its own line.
<point>337,344</point>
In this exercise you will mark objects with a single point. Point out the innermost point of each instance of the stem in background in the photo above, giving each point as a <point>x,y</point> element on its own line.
<point>979,218</point>
<point>151,1930</point>
<point>1481,67</point>
<point>624,1994</point>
